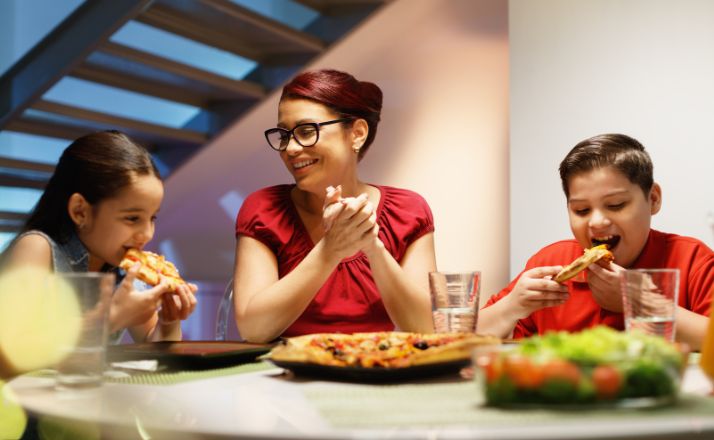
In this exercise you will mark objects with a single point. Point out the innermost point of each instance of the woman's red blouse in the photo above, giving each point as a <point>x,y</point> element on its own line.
<point>349,300</point>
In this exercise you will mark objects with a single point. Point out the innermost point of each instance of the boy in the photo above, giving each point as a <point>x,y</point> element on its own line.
<point>611,198</point>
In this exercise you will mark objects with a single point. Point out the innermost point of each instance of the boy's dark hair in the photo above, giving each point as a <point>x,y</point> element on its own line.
<point>97,166</point>
<point>619,151</point>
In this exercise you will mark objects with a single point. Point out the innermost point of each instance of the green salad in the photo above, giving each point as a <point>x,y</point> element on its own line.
<point>596,365</point>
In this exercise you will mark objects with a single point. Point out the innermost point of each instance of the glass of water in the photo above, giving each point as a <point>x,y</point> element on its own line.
<point>84,361</point>
<point>455,300</point>
<point>649,299</point>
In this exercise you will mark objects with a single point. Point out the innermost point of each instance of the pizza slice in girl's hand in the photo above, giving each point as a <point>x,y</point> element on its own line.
<point>590,256</point>
<point>152,267</point>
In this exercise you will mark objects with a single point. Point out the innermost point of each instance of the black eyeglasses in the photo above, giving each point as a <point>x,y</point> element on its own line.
<point>306,135</point>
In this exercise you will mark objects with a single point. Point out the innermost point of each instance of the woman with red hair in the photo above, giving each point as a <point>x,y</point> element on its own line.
<point>330,253</point>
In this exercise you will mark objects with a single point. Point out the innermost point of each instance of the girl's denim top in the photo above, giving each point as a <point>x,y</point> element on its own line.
<point>70,256</point>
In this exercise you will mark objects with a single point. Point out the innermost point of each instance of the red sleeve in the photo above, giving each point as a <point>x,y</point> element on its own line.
<point>405,217</point>
<point>524,327</point>
<point>255,218</point>
<point>701,281</point>
<point>556,254</point>
<point>423,220</point>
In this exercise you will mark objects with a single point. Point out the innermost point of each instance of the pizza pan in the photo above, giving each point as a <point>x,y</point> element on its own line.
<point>373,374</point>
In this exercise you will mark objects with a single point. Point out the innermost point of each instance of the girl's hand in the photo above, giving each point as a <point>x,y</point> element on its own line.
<point>179,305</point>
<point>353,228</point>
<point>131,307</point>
<point>605,286</point>
<point>536,290</point>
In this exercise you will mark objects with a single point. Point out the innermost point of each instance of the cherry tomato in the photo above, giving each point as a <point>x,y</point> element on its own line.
<point>523,372</point>
<point>492,366</point>
<point>607,380</point>
<point>560,369</point>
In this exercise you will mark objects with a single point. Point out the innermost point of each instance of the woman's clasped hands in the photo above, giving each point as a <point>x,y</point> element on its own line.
<point>350,223</point>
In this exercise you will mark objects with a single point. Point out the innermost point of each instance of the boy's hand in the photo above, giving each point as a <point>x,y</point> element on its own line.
<point>605,286</point>
<point>535,290</point>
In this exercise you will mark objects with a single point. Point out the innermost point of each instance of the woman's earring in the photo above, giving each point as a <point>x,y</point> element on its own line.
<point>356,150</point>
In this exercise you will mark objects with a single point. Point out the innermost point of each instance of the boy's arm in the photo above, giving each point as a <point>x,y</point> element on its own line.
<point>691,324</point>
<point>533,290</point>
<point>691,328</point>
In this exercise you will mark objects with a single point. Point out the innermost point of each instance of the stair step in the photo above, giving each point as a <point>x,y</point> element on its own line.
<point>228,26</point>
<point>12,221</point>
<point>331,6</point>
<point>24,174</point>
<point>26,165</point>
<point>124,67</point>
<point>65,46</point>
<point>74,122</point>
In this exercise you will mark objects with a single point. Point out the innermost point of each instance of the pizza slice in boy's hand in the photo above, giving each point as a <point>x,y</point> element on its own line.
<point>152,267</point>
<point>590,256</point>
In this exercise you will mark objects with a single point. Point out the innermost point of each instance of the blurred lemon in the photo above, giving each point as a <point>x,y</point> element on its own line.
<point>40,319</point>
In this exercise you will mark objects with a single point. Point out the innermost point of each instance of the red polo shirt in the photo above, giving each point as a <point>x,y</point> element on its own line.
<point>693,258</point>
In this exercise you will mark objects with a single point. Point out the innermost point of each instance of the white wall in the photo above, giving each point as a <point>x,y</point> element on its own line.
<point>583,67</point>
<point>443,68</point>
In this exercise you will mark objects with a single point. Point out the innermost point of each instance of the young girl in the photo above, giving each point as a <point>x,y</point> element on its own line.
<point>102,200</point>
<point>330,253</point>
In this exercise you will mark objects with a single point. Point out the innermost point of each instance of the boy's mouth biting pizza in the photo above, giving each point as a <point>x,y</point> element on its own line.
<point>609,240</point>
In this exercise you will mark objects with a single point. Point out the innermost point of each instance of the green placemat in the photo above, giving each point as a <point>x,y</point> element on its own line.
<point>369,406</point>
<point>171,377</point>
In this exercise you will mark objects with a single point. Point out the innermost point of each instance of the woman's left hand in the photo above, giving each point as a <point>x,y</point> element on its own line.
<point>178,305</point>
<point>605,286</point>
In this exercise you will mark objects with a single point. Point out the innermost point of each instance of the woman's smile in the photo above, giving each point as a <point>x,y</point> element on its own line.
<point>303,165</point>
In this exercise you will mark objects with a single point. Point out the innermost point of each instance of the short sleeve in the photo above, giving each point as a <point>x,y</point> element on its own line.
<point>701,281</point>
<point>405,217</point>
<point>424,220</point>
<point>260,214</point>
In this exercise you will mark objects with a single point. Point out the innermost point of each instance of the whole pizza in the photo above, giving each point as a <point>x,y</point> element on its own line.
<point>379,349</point>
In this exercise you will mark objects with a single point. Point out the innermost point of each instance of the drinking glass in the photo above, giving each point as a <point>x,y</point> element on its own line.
<point>455,300</point>
<point>649,299</point>
<point>84,361</point>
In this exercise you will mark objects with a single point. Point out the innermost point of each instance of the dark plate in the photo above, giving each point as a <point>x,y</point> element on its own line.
<point>377,374</point>
<point>193,355</point>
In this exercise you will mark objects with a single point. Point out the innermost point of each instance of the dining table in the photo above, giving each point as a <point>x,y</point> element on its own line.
<point>259,400</point>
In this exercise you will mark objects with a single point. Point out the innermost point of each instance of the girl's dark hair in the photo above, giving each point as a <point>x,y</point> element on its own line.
<point>342,93</point>
<point>619,151</point>
<point>97,166</point>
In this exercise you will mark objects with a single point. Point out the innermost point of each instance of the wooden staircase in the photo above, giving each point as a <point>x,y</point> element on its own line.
<point>80,47</point>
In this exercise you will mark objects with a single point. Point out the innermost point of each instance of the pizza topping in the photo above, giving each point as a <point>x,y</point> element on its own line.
<point>153,267</point>
<point>590,256</point>
<point>379,350</point>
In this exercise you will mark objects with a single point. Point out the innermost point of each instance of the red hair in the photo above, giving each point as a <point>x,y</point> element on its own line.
<point>342,93</point>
